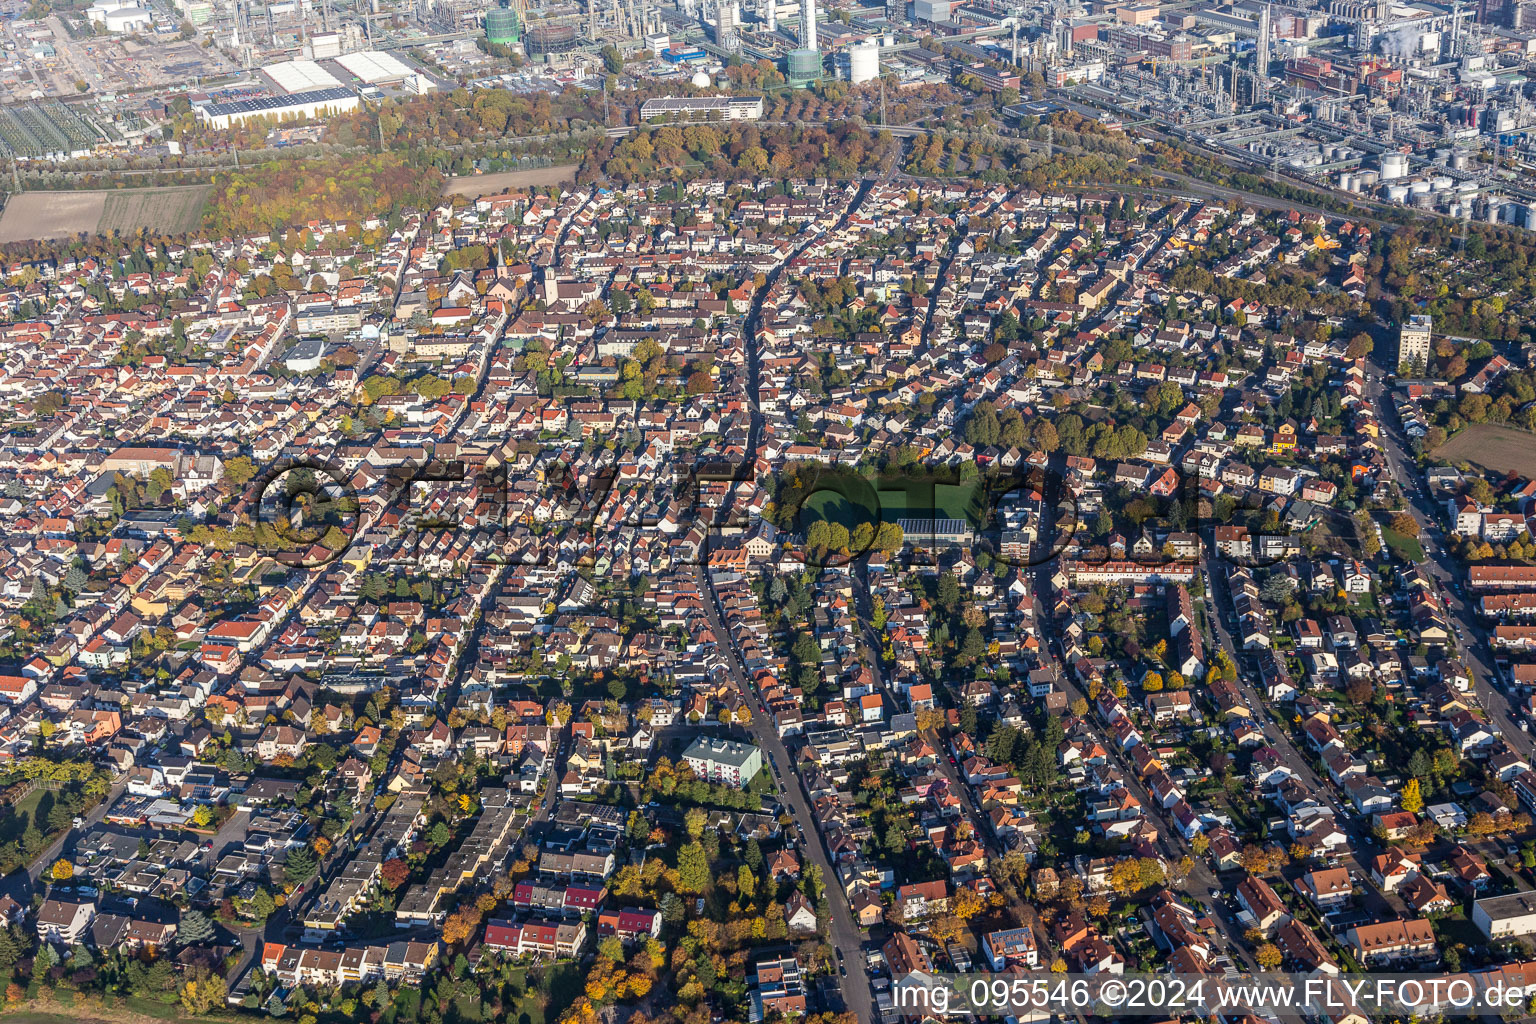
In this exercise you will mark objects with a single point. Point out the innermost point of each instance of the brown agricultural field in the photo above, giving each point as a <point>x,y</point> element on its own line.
<point>50,215</point>
<point>1493,447</point>
<point>476,185</point>
<point>171,210</point>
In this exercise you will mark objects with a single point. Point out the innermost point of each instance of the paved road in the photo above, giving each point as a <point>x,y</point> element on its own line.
<point>846,936</point>
<point>1201,883</point>
<point>22,885</point>
<point>1472,639</point>
<point>1218,607</point>
<point>857,996</point>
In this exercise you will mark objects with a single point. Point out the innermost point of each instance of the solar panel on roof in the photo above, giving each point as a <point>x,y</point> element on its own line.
<point>279,102</point>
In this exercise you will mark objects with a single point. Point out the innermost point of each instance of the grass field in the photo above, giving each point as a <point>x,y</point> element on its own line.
<point>552,990</point>
<point>1493,446</point>
<point>933,501</point>
<point>171,210</point>
<point>1402,546</point>
<point>67,1007</point>
<point>476,185</point>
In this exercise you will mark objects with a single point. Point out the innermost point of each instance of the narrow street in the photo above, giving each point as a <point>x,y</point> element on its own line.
<point>21,885</point>
<point>1202,885</point>
<point>857,996</point>
<point>1218,607</point>
<point>981,826</point>
<point>1472,639</point>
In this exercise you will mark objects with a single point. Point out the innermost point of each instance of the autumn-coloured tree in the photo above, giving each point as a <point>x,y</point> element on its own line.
<point>1405,524</point>
<point>1125,877</point>
<point>461,924</point>
<point>1256,859</point>
<point>394,873</point>
<point>945,928</point>
<point>203,992</point>
<point>967,903</point>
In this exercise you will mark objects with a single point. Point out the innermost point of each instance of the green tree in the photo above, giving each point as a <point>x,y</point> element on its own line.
<point>203,992</point>
<point>238,471</point>
<point>195,929</point>
<point>692,869</point>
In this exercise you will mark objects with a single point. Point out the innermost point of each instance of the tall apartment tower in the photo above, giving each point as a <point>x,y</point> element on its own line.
<point>1413,339</point>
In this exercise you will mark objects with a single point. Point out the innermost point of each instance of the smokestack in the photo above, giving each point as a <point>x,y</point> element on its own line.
<point>1261,58</point>
<point>808,25</point>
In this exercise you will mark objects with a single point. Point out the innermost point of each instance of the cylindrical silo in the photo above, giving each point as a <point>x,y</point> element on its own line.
<point>863,63</point>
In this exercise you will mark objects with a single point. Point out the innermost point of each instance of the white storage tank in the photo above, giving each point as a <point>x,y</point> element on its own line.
<point>863,62</point>
<point>1397,193</point>
<point>1394,165</point>
<point>1442,183</point>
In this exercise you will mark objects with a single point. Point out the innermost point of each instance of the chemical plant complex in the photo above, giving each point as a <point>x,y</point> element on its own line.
<point>1422,104</point>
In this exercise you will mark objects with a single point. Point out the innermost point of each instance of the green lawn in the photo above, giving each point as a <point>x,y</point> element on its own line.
<point>1403,546</point>
<point>1453,927</point>
<point>852,500</point>
<point>846,505</point>
<point>931,501</point>
<point>27,806</point>
<point>562,982</point>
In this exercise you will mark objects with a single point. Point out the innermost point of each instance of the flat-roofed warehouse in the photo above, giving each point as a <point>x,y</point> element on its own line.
<point>279,108</point>
<point>704,108</point>
<point>375,67</point>
<point>300,76</point>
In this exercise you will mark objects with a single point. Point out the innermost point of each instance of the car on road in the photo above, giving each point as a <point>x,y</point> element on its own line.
<point>842,970</point>
<point>839,951</point>
<point>79,822</point>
